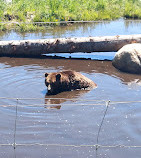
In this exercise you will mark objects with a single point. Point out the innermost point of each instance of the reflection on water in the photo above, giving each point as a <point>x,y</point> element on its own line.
<point>132,24</point>
<point>51,101</point>
<point>117,27</point>
<point>84,56</point>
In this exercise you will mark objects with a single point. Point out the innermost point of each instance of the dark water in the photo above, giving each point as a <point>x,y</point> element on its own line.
<point>67,124</point>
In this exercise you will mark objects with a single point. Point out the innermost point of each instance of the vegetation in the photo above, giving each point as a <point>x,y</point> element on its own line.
<point>64,10</point>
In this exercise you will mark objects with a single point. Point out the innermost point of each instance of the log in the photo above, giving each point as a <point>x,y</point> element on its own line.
<point>32,48</point>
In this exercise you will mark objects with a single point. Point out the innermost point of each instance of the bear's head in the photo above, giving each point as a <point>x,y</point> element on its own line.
<point>56,83</point>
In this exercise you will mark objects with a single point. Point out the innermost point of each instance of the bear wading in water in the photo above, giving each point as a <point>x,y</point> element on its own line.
<point>66,81</point>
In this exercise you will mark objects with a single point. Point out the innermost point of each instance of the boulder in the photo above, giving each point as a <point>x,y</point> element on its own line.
<point>128,58</point>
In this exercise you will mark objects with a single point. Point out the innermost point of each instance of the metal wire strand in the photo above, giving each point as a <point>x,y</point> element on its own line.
<point>56,22</point>
<point>72,145</point>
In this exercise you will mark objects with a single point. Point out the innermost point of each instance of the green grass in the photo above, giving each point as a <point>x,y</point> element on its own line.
<point>65,10</point>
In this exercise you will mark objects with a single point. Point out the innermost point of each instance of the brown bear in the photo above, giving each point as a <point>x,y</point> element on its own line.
<point>66,81</point>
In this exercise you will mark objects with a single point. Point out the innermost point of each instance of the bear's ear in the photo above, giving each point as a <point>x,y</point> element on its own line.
<point>58,76</point>
<point>46,74</point>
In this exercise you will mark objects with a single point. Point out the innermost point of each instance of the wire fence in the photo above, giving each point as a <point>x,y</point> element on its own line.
<point>107,104</point>
<point>64,22</point>
<point>56,22</point>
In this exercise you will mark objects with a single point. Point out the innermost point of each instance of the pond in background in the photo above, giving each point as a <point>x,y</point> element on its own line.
<point>106,28</point>
<point>69,119</point>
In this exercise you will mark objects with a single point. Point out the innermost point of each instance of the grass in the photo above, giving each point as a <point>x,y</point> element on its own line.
<point>64,10</point>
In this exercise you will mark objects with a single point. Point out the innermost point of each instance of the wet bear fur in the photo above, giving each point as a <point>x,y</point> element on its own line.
<point>66,81</point>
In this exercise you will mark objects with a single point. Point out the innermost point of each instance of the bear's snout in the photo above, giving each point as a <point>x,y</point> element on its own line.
<point>49,89</point>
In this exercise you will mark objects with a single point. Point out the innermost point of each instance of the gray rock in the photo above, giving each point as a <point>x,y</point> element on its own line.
<point>128,58</point>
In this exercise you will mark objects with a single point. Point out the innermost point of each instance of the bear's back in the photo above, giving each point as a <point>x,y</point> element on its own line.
<point>77,77</point>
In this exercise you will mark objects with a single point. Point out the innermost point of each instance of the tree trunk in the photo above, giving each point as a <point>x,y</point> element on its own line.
<point>30,48</point>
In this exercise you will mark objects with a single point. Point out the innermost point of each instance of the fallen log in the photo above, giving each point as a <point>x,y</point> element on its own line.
<point>30,48</point>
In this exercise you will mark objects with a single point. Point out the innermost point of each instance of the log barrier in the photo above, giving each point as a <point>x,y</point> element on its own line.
<point>35,48</point>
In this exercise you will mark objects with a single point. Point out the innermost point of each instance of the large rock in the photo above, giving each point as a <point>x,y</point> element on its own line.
<point>128,58</point>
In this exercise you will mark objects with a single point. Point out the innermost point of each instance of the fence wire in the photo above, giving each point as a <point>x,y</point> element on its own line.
<point>96,146</point>
<point>15,129</point>
<point>55,22</point>
<point>64,22</point>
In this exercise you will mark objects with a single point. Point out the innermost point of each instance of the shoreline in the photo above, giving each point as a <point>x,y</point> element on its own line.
<point>17,14</point>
